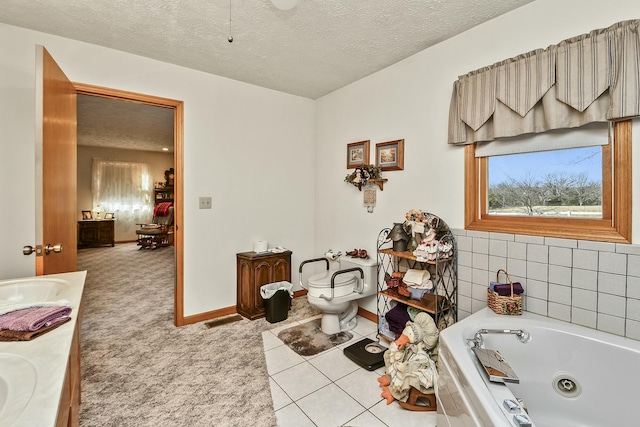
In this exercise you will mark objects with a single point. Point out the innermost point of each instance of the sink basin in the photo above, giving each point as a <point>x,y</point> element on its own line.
<point>26,291</point>
<point>17,383</point>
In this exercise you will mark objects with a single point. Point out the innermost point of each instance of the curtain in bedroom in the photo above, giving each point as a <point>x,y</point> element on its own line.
<point>590,78</point>
<point>124,188</point>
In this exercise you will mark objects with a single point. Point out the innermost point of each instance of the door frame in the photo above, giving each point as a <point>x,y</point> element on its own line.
<point>178,158</point>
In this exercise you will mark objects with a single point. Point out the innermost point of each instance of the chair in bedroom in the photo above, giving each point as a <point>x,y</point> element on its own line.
<point>160,232</point>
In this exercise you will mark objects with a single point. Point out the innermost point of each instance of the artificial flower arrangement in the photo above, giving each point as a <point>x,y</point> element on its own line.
<point>362,174</point>
<point>429,229</point>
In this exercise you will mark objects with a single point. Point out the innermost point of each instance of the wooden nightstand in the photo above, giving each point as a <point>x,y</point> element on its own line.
<point>255,270</point>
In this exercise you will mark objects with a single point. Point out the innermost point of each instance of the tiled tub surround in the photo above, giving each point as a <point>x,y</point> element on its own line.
<point>592,284</point>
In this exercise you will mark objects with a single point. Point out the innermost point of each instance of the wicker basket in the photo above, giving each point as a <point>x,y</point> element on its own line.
<point>511,305</point>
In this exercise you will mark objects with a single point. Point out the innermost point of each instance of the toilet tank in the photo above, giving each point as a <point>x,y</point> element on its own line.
<point>370,269</point>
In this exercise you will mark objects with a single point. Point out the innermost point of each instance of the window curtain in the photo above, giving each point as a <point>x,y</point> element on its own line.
<point>590,78</point>
<point>124,188</point>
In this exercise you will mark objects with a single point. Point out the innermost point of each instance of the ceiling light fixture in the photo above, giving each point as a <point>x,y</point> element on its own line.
<point>165,149</point>
<point>284,4</point>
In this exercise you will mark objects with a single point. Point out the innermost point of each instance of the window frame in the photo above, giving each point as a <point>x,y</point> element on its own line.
<point>615,225</point>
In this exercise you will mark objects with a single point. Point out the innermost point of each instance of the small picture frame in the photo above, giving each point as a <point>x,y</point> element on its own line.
<point>109,215</point>
<point>357,154</point>
<point>390,155</point>
<point>87,215</point>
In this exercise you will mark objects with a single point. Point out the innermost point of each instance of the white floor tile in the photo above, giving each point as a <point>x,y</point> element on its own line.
<point>280,398</point>
<point>292,416</point>
<point>363,386</point>
<point>365,420</point>
<point>334,364</point>
<point>330,407</point>
<point>394,416</point>
<point>281,358</point>
<point>300,380</point>
<point>269,340</point>
<point>365,327</point>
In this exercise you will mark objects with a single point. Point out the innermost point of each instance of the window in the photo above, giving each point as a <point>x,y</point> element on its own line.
<point>581,193</point>
<point>123,188</point>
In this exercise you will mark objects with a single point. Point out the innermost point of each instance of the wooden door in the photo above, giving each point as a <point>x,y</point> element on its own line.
<point>56,176</point>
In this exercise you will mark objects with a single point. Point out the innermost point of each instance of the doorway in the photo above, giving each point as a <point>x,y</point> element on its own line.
<point>178,108</point>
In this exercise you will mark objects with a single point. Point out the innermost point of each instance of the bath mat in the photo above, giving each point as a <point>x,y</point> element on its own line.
<point>307,339</point>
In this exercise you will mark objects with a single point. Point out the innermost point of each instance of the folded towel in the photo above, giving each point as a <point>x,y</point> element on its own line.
<point>413,277</point>
<point>7,335</point>
<point>9,307</point>
<point>504,289</point>
<point>34,318</point>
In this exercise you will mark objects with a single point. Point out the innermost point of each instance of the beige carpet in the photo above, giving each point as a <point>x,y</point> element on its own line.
<point>140,370</point>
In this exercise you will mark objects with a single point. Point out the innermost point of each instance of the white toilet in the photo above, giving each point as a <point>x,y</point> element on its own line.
<point>339,305</point>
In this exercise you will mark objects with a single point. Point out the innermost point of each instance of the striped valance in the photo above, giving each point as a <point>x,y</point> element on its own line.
<point>594,77</point>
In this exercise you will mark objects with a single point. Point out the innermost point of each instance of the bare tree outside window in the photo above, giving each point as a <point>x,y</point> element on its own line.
<point>556,184</point>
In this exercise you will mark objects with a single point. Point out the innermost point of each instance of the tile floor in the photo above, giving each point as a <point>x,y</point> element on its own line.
<point>330,390</point>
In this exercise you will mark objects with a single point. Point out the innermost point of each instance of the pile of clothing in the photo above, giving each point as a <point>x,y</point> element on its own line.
<point>24,322</point>
<point>413,283</point>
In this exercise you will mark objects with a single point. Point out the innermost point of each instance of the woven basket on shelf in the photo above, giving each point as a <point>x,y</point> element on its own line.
<point>511,304</point>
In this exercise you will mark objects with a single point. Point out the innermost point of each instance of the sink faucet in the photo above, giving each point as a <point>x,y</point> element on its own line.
<point>522,335</point>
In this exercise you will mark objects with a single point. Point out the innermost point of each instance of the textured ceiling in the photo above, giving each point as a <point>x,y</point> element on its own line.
<point>311,50</point>
<point>104,122</point>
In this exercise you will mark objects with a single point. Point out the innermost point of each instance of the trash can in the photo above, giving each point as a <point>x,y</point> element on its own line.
<point>277,300</point>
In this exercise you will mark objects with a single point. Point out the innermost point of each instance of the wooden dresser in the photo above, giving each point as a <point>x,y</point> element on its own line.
<point>255,270</point>
<point>96,232</point>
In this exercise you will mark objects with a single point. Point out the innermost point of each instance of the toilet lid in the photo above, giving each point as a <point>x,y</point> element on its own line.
<point>323,280</point>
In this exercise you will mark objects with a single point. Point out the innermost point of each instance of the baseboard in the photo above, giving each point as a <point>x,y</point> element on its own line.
<point>209,315</point>
<point>299,293</point>
<point>214,314</point>
<point>368,315</point>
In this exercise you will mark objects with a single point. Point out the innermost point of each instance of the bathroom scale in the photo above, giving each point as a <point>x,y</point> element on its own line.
<point>366,353</point>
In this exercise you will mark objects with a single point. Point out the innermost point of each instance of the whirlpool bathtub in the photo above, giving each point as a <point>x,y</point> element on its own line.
<point>569,376</point>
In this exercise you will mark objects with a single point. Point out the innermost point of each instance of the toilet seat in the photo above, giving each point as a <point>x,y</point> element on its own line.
<point>320,284</point>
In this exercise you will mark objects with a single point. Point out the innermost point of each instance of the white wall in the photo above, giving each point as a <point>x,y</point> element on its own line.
<point>249,148</point>
<point>410,100</point>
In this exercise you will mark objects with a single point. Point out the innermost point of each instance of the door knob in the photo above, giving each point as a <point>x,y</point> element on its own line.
<point>57,248</point>
<point>28,250</point>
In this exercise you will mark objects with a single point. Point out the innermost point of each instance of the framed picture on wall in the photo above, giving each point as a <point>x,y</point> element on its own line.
<point>390,155</point>
<point>87,215</point>
<point>357,154</point>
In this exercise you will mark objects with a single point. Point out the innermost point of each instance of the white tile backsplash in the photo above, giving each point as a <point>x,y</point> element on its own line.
<point>611,324</point>
<point>593,284</point>
<point>633,267</point>
<point>584,299</point>
<point>480,246</point>
<point>498,248</point>
<point>612,263</point>
<point>612,283</point>
<point>538,253</point>
<point>517,250</point>
<point>537,270</point>
<point>585,260</point>
<point>559,275</point>
<point>560,256</point>
<point>584,279</point>
<point>612,304</point>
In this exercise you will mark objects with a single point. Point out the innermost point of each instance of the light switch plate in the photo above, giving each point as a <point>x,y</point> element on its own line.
<point>205,202</point>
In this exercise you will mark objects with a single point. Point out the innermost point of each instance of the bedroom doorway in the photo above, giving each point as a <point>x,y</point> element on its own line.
<point>171,110</point>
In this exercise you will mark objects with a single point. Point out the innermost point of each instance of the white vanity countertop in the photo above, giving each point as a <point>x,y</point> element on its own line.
<point>49,354</point>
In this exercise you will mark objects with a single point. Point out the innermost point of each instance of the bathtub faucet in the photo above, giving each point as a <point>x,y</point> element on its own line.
<point>522,335</point>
